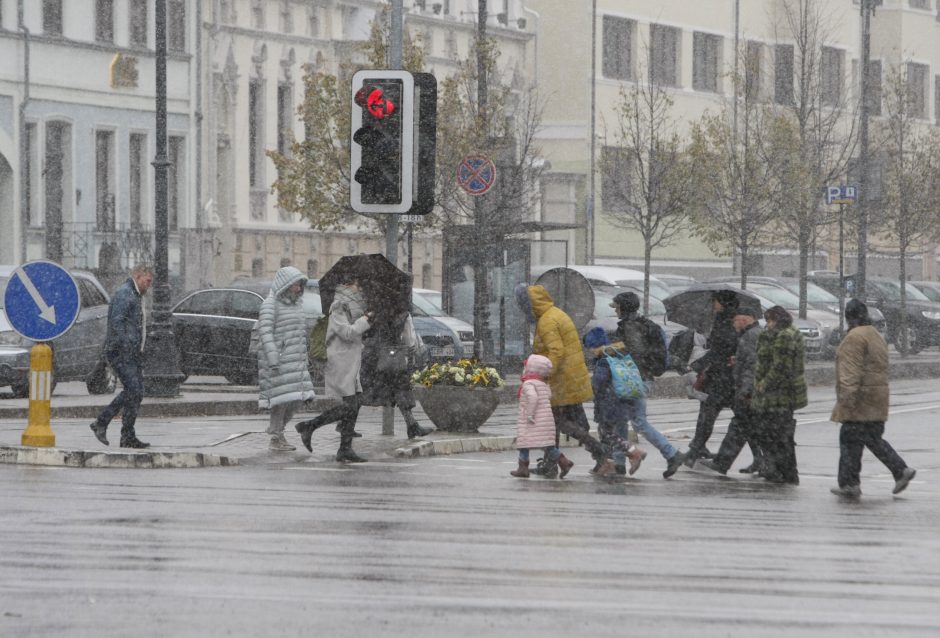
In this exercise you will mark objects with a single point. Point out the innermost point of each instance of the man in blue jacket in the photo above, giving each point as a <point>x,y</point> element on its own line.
<point>124,350</point>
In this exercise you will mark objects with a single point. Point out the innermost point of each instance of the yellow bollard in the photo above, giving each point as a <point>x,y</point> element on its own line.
<point>38,433</point>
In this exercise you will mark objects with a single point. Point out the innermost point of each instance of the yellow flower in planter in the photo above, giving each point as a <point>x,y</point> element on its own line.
<point>464,372</point>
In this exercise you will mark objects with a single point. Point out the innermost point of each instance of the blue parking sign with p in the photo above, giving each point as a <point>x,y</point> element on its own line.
<point>842,194</point>
<point>41,300</point>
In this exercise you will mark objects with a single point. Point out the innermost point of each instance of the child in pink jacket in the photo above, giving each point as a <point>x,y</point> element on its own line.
<point>536,425</point>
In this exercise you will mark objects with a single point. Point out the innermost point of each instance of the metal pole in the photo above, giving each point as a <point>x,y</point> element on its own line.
<point>480,293</point>
<point>25,174</point>
<point>391,231</point>
<point>867,8</point>
<point>841,268</point>
<point>162,376</point>
<point>592,209</point>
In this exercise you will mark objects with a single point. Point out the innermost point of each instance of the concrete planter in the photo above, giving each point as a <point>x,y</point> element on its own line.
<point>457,408</point>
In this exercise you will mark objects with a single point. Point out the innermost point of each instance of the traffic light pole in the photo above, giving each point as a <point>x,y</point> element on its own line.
<point>391,231</point>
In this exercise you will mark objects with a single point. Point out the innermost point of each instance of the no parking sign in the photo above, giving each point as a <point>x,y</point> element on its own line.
<point>476,174</point>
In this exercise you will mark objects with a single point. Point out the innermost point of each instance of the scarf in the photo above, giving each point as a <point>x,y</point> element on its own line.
<point>527,376</point>
<point>354,301</point>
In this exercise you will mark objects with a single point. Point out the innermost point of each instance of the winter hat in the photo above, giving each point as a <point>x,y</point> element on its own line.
<point>596,337</point>
<point>521,293</point>
<point>856,312</point>
<point>626,301</point>
<point>727,298</point>
<point>538,365</point>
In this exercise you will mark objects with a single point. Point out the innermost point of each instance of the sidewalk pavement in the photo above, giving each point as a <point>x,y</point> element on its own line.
<point>229,427</point>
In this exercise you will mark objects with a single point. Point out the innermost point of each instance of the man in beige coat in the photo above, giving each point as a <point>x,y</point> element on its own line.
<point>862,404</point>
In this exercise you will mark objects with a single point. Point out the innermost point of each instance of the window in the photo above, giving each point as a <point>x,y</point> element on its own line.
<point>920,4</point>
<point>936,99</point>
<point>57,173</point>
<point>210,302</point>
<point>287,20</point>
<point>225,12</point>
<point>137,33</point>
<point>104,20</point>
<point>91,296</point>
<point>255,134</point>
<point>874,87</point>
<point>246,305</point>
<point>136,174</point>
<point>706,61</point>
<point>664,55</point>
<point>831,76</point>
<point>783,74</point>
<point>917,88</point>
<point>104,180</point>
<point>52,17</point>
<point>176,155</point>
<point>615,186</point>
<point>257,14</point>
<point>753,57</point>
<point>313,22</point>
<point>285,109</point>
<point>617,48</point>
<point>31,177</point>
<point>176,26</point>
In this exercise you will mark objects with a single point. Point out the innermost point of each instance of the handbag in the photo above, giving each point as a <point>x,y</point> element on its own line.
<point>392,360</point>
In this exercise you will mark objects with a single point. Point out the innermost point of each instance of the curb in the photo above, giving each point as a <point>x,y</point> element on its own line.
<point>56,457</point>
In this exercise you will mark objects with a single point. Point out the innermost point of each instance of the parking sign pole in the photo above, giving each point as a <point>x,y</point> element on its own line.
<point>841,269</point>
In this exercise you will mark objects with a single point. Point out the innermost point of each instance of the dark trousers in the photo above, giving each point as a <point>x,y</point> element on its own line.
<point>571,420</point>
<point>742,430</point>
<point>854,437</point>
<point>346,413</point>
<point>707,413</point>
<point>131,374</point>
<point>777,435</point>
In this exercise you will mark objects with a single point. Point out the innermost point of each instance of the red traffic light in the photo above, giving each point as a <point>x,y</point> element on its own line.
<point>375,102</point>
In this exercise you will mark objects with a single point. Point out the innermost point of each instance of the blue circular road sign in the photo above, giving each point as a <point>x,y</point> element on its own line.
<point>41,300</point>
<point>476,174</point>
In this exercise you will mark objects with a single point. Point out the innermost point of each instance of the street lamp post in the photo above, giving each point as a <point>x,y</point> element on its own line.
<point>162,376</point>
<point>867,8</point>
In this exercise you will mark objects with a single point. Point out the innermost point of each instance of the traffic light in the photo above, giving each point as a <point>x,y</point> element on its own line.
<point>382,149</point>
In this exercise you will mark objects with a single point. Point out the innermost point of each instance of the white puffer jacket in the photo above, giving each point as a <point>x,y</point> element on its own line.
<point>535,427</point>
<point>283,328</point>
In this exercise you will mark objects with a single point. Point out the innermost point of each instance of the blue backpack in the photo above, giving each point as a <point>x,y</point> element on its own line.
<point>625,375</point>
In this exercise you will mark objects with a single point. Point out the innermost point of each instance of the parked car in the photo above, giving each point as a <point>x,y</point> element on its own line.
<point>931,289</point>
<point>821,299</point>
<point>606,317</point>
<point>780,295</point>
<point>676,283</point>
<point>612,276</point>
<point>883,293</point>
<point>78,355</point>
<point>423,306</point>
<point>213,331</point>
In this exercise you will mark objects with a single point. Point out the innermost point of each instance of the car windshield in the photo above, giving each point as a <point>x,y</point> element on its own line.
<point>656,289</point>
<point>602,307</point>
<point>931,293</point>
<point>892,291</point>
<point>779,296</point>
<point>434,297</point>
<point>422,307</point>
<point>814,293</point>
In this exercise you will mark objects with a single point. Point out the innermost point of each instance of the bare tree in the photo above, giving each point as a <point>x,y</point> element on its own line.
<point>911,148</point>
<point>647,177</point>
<point>736,182</point>
<point>814,135</point>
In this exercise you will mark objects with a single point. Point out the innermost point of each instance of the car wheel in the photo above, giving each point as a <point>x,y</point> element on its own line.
<point>914,344</point>
<point>242,378</point>
<point>20,390</point>
<point>103,381</point>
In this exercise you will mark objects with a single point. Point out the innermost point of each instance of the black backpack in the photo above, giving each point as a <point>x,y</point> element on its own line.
<point>680,350</point>
<point>645,341</point>
<point>657,356</point>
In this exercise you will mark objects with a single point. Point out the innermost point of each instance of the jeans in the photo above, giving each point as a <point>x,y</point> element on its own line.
<point>552,453</point>
<point>707,414</point>
<point>614,437</point>
<point>131,374</point>
<point>637,414</point>
<point>854,437</point>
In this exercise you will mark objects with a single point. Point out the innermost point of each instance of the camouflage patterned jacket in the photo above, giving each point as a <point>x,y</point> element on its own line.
<point>779,383</point>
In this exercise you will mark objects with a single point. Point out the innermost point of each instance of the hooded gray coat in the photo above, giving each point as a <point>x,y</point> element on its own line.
<point>283,327</point>
<point>344,343</point>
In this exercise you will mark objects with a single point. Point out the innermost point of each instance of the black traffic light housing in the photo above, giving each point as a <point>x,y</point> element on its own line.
<point>393,142</point>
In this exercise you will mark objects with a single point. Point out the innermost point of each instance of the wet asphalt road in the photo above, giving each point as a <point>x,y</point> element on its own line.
<point>452,546</point>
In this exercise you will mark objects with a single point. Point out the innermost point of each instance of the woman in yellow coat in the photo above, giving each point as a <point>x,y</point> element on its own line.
<point>557,338</point>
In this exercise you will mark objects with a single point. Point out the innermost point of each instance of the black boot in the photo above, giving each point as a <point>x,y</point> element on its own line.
<point>133,442</point>
<point>305,429</point>
<point>346,455</point>
<point>101,432</point>
<point>416,430</point>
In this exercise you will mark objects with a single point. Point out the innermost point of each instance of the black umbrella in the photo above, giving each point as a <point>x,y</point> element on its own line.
<point>386,288</point>
<point>693,307</point>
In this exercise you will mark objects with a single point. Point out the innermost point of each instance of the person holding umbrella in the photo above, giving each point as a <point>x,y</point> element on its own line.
<point>717,365</point>
<point>347,323</point>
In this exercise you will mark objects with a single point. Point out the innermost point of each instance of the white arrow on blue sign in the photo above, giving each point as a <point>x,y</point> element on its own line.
<point>41,300</point>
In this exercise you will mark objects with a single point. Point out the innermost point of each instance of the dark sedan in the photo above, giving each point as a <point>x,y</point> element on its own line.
<point>213,331</point>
